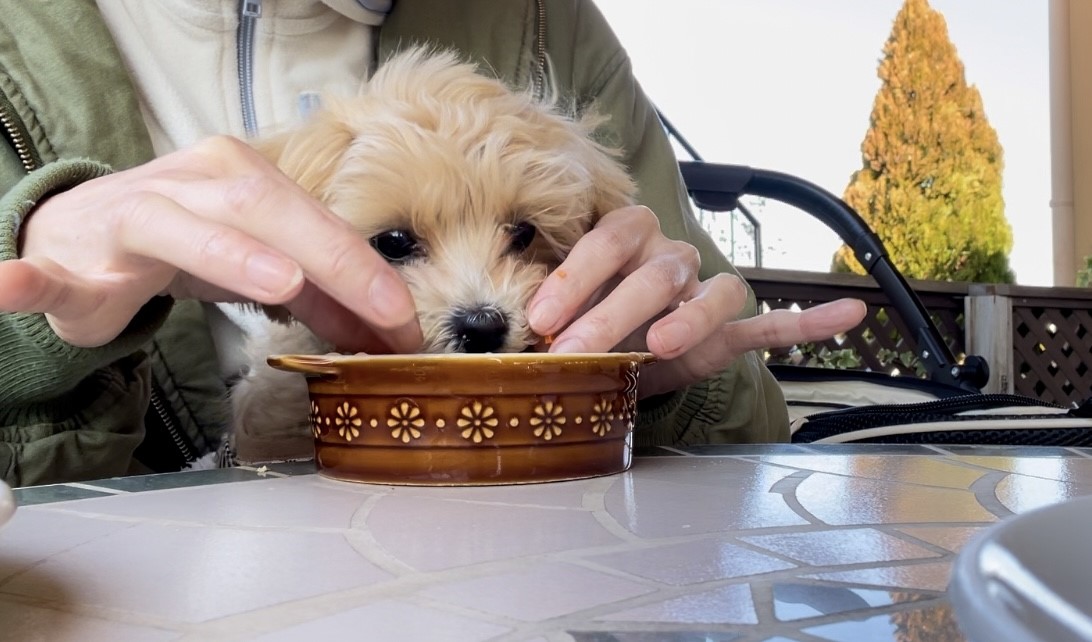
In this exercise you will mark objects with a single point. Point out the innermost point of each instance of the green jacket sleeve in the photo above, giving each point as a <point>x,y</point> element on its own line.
<point>64,411</point>
<point>744,403</point>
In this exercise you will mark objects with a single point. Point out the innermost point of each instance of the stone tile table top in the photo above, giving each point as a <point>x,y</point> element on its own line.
<point>741,543</point>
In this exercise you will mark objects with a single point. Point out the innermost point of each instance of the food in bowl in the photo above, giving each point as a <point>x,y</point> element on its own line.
<point>470,419</point>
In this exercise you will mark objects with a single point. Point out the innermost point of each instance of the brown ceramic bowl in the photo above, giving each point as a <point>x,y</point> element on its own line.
<point>468,419</point>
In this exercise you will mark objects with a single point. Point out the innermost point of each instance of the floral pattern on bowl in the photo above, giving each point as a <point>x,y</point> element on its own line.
<point>470,419</point>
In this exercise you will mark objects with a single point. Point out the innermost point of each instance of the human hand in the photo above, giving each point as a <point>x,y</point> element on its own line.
<point>215,222</point>
<point>659,305</point>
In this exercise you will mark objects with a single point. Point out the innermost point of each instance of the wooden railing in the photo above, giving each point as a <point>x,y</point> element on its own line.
<point>1037,341</point>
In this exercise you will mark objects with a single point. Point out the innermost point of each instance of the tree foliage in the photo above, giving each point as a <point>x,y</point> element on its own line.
<point>1084,275</point>
<point>930,181</point>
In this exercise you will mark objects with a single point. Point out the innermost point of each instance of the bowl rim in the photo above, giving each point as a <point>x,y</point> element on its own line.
<point>508,357</point>
<point>335,363</point>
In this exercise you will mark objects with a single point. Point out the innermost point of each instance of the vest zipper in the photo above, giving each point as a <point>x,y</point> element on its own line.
<point>540,51</point>
<point>15,132</point>
<point>249,12</point>
<point>166,418</point>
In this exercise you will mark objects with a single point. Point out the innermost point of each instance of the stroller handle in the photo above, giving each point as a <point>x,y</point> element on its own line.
<point>717,187</point>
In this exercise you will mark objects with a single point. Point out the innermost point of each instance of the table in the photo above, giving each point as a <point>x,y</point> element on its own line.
<point>714,543</point>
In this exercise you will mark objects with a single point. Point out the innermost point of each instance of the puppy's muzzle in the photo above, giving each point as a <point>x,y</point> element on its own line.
<point>482,329</point>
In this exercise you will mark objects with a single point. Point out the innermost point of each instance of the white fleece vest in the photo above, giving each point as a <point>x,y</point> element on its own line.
<point>182,55</point>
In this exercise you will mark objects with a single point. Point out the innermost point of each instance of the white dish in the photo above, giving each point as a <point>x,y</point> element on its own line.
<point>1027,579</point>
<point>7,503</point>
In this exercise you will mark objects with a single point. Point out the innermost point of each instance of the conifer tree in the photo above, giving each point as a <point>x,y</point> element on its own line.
<point>930,183</point>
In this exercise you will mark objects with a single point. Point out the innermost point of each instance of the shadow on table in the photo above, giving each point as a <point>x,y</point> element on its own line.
<point>34,618</point>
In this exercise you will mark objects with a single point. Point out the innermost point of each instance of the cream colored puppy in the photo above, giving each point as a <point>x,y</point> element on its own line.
<point>471,190</point>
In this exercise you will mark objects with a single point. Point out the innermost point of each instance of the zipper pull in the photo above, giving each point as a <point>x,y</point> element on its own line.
<point>251,8</point>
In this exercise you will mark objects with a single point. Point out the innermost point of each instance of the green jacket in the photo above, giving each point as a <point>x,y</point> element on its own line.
<point>153,398</point>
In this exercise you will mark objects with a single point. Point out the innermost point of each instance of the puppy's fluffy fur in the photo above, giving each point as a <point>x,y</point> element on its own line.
<point>474,190</point>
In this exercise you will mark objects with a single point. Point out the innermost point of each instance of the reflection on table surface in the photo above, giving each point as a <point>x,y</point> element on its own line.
<point>740,543</point>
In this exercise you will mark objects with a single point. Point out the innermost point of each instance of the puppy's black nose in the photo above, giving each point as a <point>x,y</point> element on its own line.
<point>480,330</point>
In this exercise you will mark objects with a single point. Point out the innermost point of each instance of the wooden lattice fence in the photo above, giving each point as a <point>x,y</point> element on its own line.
<point>1050,333</point>
<point>1037,341</point>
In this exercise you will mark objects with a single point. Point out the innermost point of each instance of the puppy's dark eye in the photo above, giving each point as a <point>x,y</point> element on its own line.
<point>522,234</point>
<point>397,246</point>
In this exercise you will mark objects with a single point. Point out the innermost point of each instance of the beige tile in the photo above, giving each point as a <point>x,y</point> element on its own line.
<point>544,591</point>
<point>390,620</point>
<point>568,494</point>
<point>928,577</point>
<point>924,471</point>
<point>34,534</point>
<point>654,507</point>
<point>692,562</point>
<point>837,547</point>
<point>841,500</point>
<point>1076,470</point>
<point>28,623</point>
<point>287,502</point>
<point>196,574</point>
<point>1021,494</point>
<point>431,534</point>
<point>726,605</point>
<point>697,471</point>
<point>952,538</point>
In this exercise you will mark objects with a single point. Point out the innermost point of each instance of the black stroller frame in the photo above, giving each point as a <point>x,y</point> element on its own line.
<point>718,187</point>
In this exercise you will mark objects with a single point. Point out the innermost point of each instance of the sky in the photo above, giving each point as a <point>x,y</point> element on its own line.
<point>788,85</point>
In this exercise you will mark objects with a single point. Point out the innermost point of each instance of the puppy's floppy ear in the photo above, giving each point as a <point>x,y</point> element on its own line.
<point>312,153</point>
<point>613,186</point>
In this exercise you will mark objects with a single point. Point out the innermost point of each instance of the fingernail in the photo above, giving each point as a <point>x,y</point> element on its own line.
<point>272,273</point>
<point>545,315</point>
<point>388,295</point>
<point>568,345</point>
<point>672,336</point>
<point>833,315</point>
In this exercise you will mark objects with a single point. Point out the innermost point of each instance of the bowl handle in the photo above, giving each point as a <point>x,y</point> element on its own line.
<point>314,365</point>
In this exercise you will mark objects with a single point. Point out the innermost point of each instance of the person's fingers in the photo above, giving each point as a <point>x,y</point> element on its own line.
<point>775,329</point>
<point>784,328</point>
<point>39,285</point>
<point>616,243</point>
<point>331,321</point>
<point>641,296</point>
<point>254,236</point>
<point>353,282</point>
<point>333,255</point>
<point>258,199</point>
<point>156,227</point>
<point>780,328</point>
<point>714,303</point>
<point>76,307</point>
